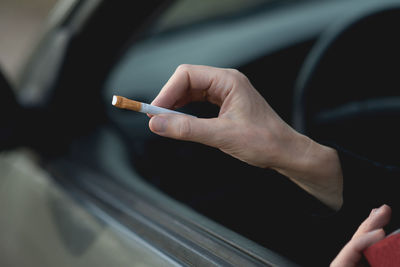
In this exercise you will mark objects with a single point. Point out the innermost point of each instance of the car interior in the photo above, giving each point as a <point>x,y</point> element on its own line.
<point>315,62</point>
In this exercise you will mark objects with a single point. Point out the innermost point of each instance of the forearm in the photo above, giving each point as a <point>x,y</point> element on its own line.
<point>315,168</point>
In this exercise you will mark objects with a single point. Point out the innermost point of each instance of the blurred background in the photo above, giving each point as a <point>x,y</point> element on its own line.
<point>21,23</point>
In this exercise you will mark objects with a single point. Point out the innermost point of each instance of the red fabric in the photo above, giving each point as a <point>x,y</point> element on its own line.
<point>385,252</point>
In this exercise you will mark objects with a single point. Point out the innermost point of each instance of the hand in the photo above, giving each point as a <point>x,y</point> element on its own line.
<point>246,128</point>
<point>369,232</point>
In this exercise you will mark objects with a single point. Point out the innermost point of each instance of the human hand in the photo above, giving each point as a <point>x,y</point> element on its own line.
<point>369,232</point>
<point>246,128</point>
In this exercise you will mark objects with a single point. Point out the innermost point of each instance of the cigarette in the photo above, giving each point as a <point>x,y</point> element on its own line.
<point>125,103</point>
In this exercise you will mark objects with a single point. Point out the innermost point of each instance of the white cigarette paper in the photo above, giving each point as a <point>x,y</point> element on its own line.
<point>125,103</point>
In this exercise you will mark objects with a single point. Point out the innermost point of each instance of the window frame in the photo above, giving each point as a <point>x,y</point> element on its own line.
<point>169,226</point>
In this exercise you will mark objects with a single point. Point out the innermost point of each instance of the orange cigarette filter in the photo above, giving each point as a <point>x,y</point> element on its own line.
<point>126,103</point>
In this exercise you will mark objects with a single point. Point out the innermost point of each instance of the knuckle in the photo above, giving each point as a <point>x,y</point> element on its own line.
<point>185,129</point>
<point>236,74</point>
<point>233,71</point>
<point>183,68</point>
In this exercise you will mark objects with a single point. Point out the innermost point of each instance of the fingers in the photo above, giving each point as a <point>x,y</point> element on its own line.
<point>206,131</point>
<point>369,232</point>
<point>378,218</point>
<point>351,254</point>
<point>196,83</point>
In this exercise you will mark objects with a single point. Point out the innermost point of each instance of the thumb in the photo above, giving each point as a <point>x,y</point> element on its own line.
<point>187,128</point>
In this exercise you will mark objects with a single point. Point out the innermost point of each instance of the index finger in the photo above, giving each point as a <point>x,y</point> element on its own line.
<point>194,83</point>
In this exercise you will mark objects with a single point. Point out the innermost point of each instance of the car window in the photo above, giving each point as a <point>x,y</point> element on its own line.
<point>217,37</point>
<point>218,186</point>
<point>214,36</point>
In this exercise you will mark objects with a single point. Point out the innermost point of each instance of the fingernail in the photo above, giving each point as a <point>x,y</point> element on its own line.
<point>159,124</point>
<point>374,212</point>
<point>380,209</point>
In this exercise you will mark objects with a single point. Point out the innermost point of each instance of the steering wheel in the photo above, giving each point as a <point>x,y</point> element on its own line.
<point>348,90</point>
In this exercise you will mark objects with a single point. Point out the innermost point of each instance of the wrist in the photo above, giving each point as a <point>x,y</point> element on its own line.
<point>315,168</point>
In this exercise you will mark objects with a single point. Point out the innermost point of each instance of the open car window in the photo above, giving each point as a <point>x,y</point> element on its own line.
<point>115,164</point>
<point>213,184</point>
<point>188,202</point>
